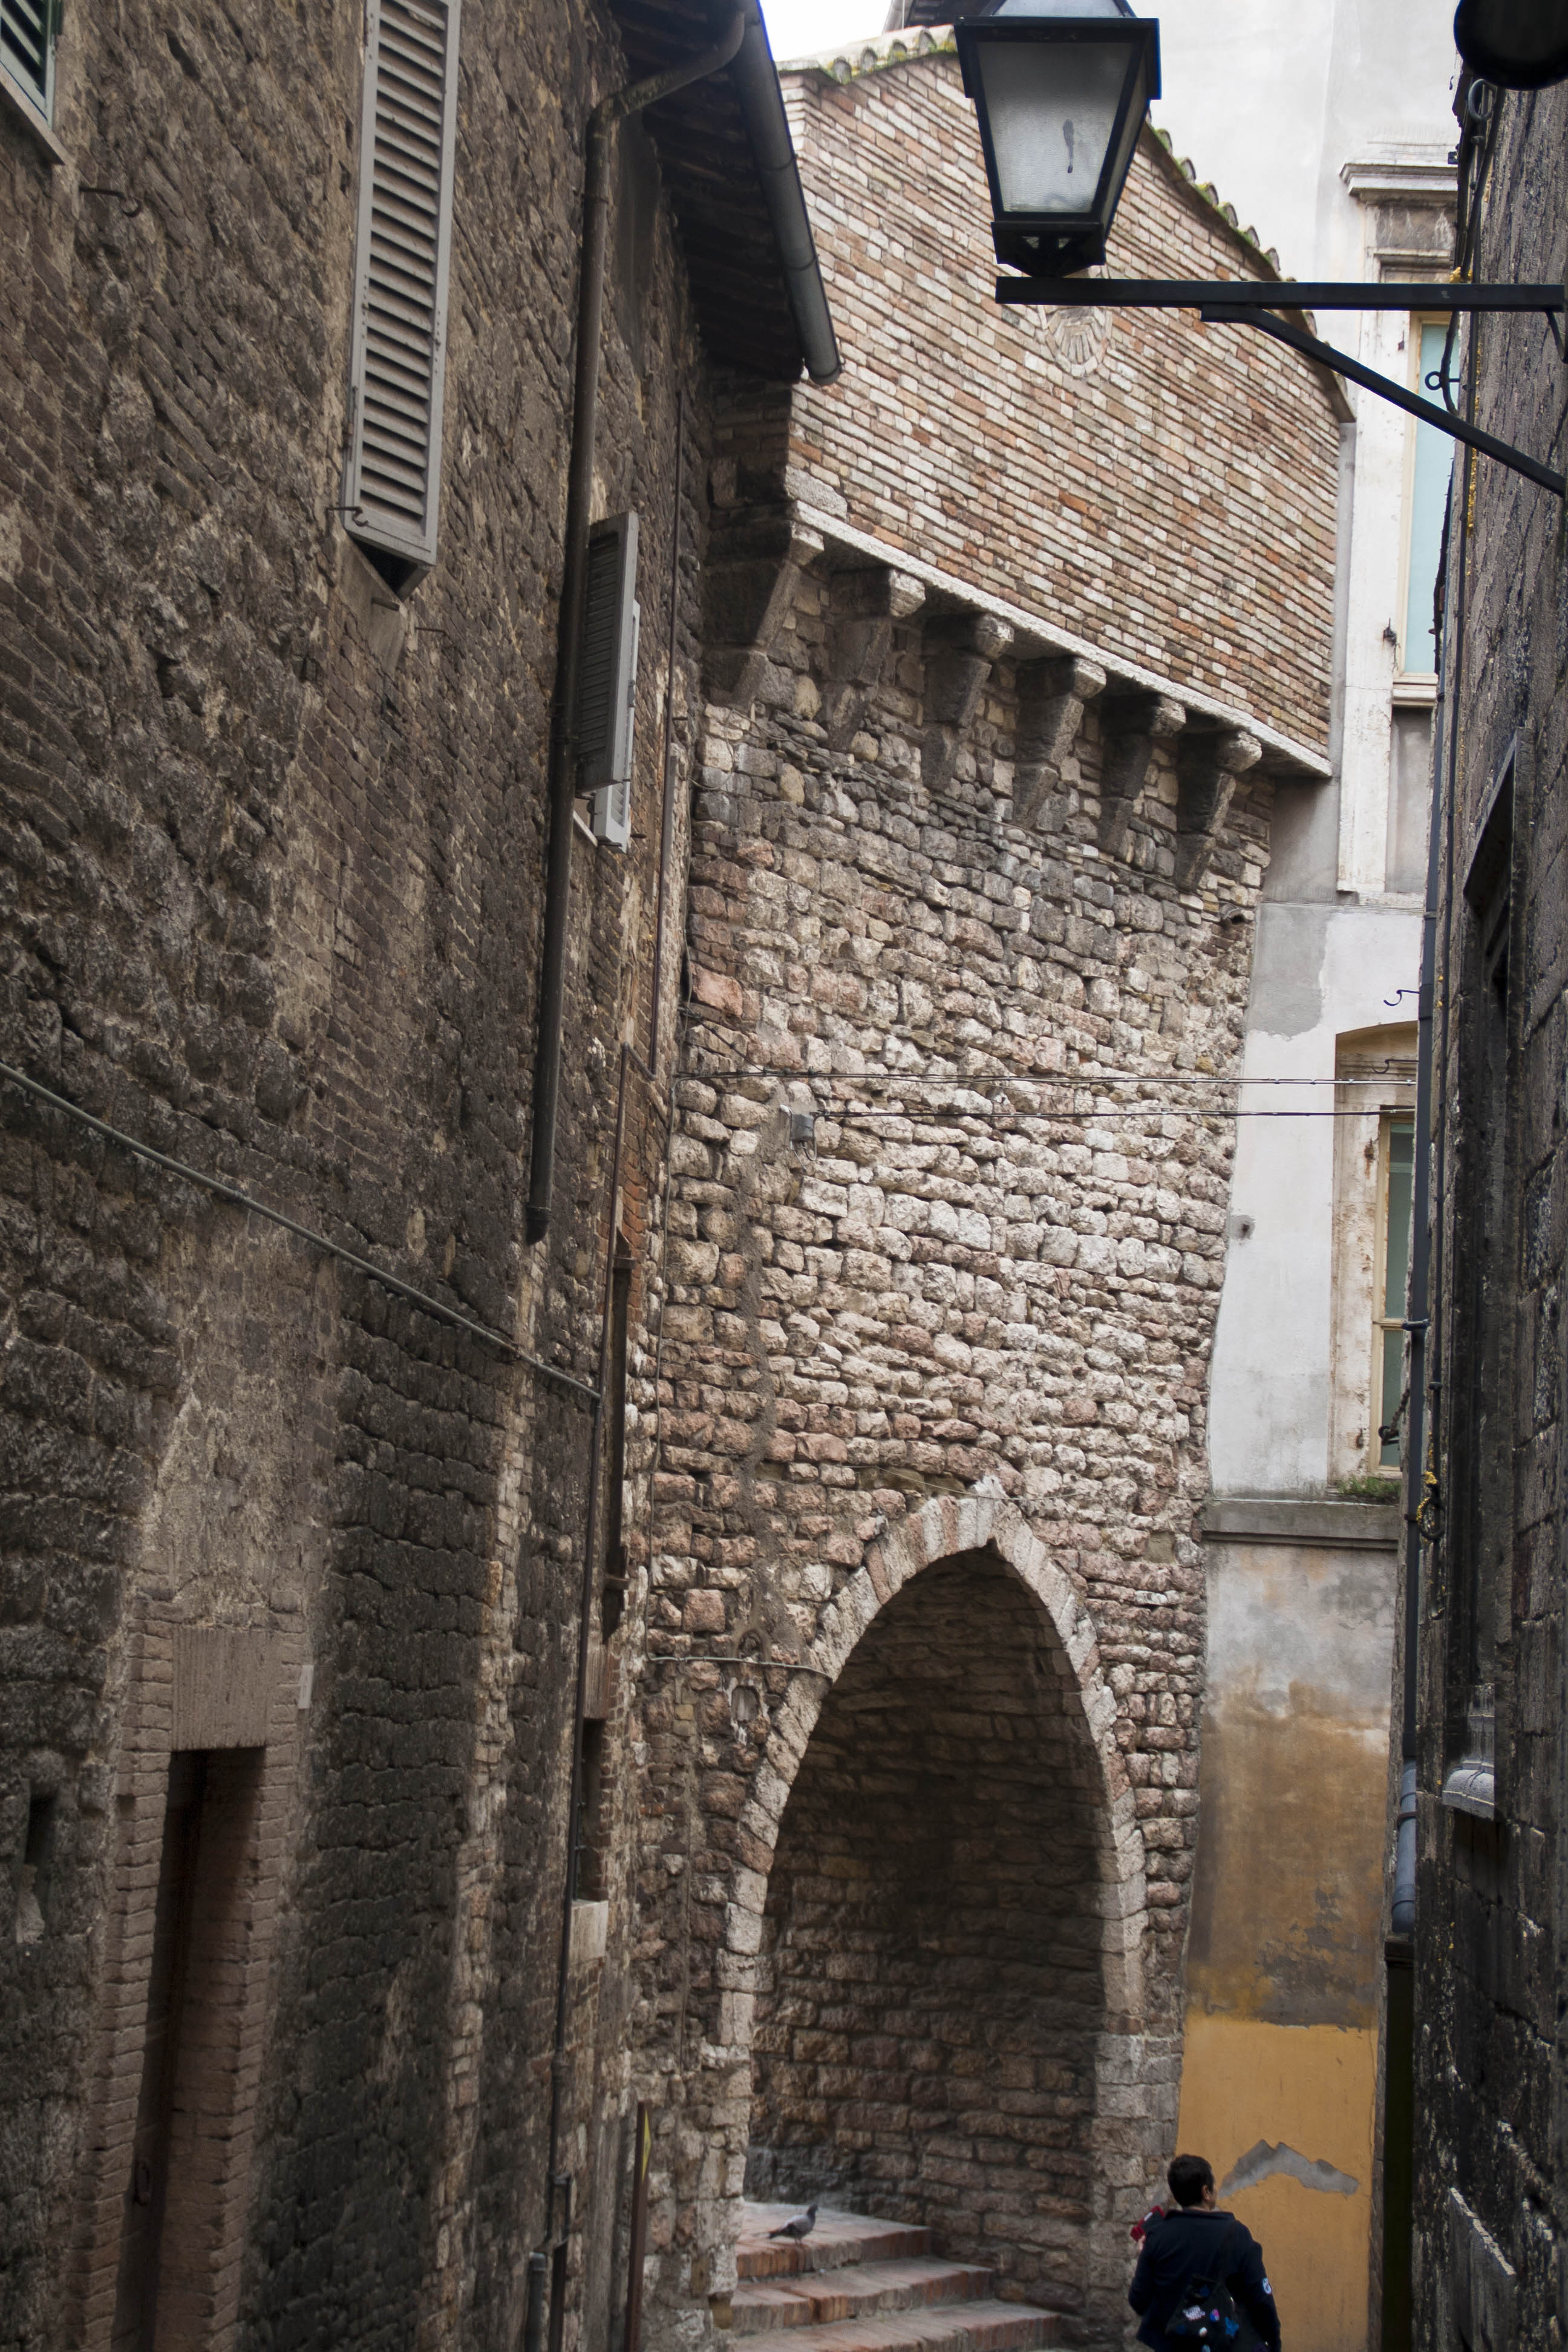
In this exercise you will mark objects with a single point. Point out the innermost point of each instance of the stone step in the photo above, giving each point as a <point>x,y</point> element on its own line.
<point>857,2291</point>
<point>838,2239</point>
<point>946,2327</point>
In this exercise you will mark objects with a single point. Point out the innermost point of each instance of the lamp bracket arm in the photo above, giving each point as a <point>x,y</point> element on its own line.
<point>1340,363</point>
<point>1272,294</point>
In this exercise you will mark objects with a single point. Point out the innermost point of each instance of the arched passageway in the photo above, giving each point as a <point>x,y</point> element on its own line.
<point>931,1994</point>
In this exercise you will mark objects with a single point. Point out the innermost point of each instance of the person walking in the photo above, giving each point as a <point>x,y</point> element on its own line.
<point>1200,2278</point>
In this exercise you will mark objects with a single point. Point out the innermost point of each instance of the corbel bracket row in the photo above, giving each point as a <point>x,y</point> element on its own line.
<point>751,586</point>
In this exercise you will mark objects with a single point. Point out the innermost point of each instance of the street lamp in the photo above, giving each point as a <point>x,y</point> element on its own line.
<point>1520,44</point>
<point>1061,100</point>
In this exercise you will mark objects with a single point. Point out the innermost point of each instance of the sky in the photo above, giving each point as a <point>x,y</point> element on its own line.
<point>797,28</point>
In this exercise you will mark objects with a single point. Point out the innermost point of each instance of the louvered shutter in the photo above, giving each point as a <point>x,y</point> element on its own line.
<point>393,480</point>
<point>607,678</point>
<point>27,33</point>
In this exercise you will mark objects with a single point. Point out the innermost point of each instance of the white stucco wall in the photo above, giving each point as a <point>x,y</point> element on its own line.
<point>1270,98</point>
<point>1322,972</point>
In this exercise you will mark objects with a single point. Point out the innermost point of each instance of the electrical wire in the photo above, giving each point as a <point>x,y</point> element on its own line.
<point>247,1201</point>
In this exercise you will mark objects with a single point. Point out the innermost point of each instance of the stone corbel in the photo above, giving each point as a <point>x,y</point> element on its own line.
<point>866,604</point>
<point>959,650</point>
<point>1051,698</point>
<point>753,579</point>
<point>1134,725</point>
<point>1210,767</point>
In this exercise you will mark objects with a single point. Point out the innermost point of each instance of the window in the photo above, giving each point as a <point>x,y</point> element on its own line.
<point>607,681</point>
<point>591,1862</point>
<point>1429,469</point>
<point>1396,1192</point>
<point>29,32</point>
<point>1373,1148</point>
<point>392,478</point>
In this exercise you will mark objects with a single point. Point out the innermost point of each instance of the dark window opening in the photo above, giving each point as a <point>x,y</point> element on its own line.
<point>34,1879</point>
<point>592,1828</point>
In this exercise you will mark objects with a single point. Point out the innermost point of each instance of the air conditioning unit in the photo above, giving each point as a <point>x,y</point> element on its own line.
<point>607,677</point>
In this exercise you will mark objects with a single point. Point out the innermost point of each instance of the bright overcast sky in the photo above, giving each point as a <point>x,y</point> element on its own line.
<point>797,28</point>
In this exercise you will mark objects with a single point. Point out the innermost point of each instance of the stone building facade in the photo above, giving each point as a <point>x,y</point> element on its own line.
<point>1013,635</point>
<point>293,1554</point>
<point>1487,1612</point>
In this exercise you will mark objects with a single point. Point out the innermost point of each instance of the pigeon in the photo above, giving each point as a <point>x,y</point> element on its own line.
<point>801,2227</point>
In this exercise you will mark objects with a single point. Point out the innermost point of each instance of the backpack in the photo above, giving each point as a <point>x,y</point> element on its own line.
<point>1204,2312</point>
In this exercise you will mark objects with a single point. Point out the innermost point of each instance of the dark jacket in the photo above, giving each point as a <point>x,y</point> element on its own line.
<point>1198,2243</point>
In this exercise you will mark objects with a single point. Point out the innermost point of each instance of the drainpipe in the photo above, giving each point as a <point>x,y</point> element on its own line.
<point>743,47</point>
<point>756,84</point>
<point>562,786</point>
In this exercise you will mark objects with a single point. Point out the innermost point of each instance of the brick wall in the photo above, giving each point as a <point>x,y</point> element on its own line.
<point>1105,470</point>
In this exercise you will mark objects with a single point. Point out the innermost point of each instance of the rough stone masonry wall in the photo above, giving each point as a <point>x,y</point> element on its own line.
<point>1095,467</point>
<point>978,1270</point>
<point>1491,1922</point>
<point>270,885</point>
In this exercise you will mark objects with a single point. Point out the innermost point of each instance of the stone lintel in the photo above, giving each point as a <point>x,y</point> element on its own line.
<point>1311,1521</point>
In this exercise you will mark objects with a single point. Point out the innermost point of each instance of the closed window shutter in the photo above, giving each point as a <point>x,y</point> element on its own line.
<point>607,678</point>
<point>27,31</point>
<point>392,483</point>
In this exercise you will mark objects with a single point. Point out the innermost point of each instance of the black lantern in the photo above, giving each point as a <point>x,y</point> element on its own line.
<point>1061,100</point>
<point>1518,44</point>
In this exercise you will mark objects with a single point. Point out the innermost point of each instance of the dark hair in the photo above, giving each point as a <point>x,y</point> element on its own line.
<point>1189,2176</point>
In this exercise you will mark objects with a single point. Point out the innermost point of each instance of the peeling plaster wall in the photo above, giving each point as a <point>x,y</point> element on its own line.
<point>1284,1958</point>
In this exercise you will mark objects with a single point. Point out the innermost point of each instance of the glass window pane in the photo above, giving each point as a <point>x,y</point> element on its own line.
<point>1396,1249</point>
<point>1428,496</point>
<point>1392,1382</point>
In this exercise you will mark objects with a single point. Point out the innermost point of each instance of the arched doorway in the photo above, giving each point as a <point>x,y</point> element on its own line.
<point>932,1988</point>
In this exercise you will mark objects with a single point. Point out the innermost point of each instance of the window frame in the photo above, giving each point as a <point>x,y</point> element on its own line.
<point>22,102</point>
<point>1386,1057</point>
<point>1419,320</point>
<point>1390,1121</point>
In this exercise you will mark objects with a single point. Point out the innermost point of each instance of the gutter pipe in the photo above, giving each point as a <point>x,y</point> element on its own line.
<point>756,84</point>
<point>743,47</point>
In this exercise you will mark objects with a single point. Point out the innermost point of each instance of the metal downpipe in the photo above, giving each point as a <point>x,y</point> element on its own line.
<point>563,772</point>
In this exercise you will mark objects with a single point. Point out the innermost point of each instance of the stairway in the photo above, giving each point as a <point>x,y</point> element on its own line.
<point>861,2285</point>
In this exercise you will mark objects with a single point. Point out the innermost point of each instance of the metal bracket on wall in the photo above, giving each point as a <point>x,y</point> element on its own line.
<point>1246,302</point>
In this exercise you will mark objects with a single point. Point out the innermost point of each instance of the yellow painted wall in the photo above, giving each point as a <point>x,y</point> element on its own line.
<point>1284,1950</point>
<point>1312,2086</point>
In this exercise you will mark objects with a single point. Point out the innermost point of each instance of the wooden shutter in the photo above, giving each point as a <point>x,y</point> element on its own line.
<point>607,681</point>
<point>393,479</point>
<point>28,32</point>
